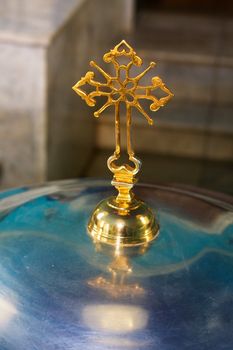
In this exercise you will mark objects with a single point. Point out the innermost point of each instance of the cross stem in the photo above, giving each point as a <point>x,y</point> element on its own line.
<point>117,131</point>
<point>128,126</point>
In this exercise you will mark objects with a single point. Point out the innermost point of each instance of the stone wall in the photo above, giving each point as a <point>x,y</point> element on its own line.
<point>194,58</point>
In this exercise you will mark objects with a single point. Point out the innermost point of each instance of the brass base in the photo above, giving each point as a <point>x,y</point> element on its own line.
<point>123,226</point>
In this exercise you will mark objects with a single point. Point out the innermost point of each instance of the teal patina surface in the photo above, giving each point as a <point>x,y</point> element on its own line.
<point>47,261</point>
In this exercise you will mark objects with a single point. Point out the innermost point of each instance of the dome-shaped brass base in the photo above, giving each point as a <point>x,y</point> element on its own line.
<point>123,227</point>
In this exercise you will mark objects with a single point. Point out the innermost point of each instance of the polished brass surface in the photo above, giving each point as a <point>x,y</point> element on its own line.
<point>123,220</point>
<point>110,224</point>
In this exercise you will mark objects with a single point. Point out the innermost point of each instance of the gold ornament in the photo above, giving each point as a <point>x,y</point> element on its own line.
<point>123,220</point>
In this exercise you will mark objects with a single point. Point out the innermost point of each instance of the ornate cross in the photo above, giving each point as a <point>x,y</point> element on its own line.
<point>122,87</point>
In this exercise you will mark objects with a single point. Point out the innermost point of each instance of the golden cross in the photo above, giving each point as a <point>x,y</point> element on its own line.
<point>123,88</point>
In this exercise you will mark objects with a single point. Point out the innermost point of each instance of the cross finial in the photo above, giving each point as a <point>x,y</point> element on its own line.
<point>123,88</point>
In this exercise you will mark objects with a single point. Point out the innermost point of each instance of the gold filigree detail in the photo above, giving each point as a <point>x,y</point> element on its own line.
<point>123,88</point>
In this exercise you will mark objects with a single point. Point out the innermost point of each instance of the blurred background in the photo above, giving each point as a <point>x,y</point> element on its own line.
<point>48,133</point>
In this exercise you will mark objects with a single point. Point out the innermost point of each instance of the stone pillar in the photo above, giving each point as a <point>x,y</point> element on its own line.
<point>46,131</point>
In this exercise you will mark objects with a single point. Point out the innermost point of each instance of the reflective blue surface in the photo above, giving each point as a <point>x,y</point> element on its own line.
<point>179,294</point>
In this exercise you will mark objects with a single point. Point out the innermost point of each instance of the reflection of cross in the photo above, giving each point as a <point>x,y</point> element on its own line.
<point>123,88</point>
<point>116,286</point>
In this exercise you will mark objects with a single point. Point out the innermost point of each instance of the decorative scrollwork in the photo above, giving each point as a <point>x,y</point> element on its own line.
<point>123,88</point>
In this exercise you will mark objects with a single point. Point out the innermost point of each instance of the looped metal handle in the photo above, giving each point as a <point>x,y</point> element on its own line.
<point>114,168</point>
